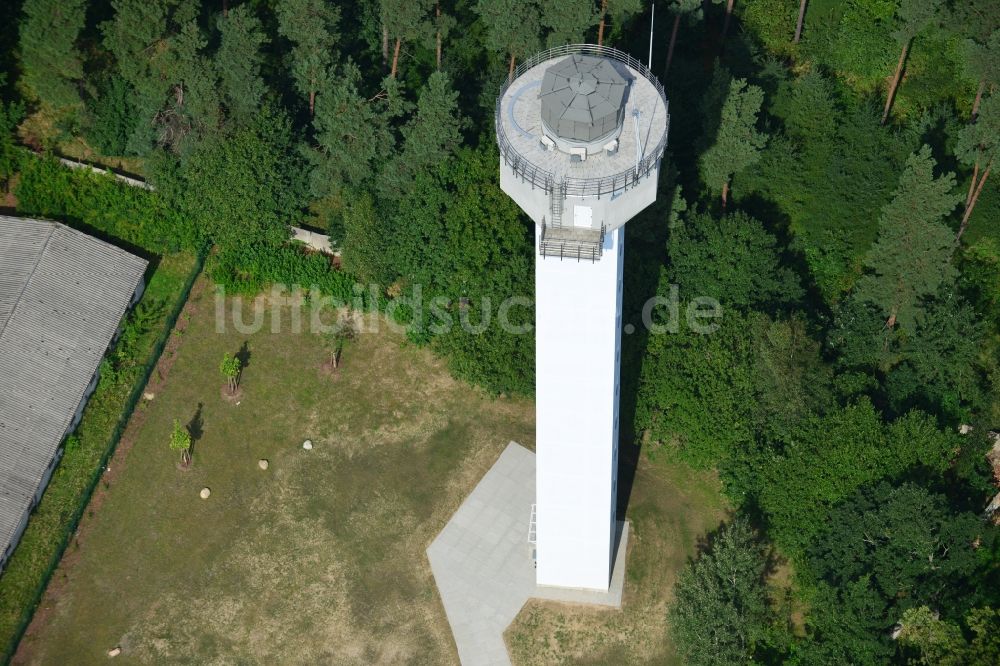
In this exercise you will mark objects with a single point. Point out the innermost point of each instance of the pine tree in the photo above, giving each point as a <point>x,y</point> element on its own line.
<point>238,61</point>
<point>680,9</point>
<point>619,10</point>
<point>726,20</point>
<point>404,21</point>
<point>51,62</point>
<point>351,134</point>
<point>730,110</point>
<point>429,138</point>
<point>142,36</point>
<point>568,21</point>
<point>982,64</point>
<point>911,17</point>
<point>193,108</point>
<point>978,144</point>
<point>311,25</point>
<point>444,23</point>
<point>511,27</point>
<point>801,19</point>
<point>912,256</point>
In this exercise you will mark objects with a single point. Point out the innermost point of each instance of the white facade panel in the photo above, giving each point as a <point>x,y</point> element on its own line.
<point>578,339</point>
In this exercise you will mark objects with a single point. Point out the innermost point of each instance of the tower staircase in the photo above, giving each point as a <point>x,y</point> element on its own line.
<point>568,242</point>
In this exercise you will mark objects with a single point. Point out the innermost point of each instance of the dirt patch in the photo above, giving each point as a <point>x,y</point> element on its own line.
<point>328,370</point>
<point>232,397</point>
<point>9,201</point>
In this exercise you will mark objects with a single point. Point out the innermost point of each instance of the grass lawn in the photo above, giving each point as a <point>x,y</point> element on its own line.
<point>320,558</point>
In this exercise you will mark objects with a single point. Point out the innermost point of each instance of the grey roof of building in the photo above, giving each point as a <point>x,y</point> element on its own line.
<point>583,98</point>
<point>62,296</point>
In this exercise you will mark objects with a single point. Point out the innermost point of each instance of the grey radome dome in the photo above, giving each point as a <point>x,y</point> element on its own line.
<point>583,98</point>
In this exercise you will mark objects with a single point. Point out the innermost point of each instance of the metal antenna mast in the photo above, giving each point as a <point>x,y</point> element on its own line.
<point>652,21</point>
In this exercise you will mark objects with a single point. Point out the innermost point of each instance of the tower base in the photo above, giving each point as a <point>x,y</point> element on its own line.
<point>482,561</point>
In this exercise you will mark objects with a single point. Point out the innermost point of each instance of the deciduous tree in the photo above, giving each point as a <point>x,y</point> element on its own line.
<point>720,611</point>
<point>230,367</point>
<point>10,115</point>
<point>180,440</point>
<point>732,259</point>
<point>827,458</point>
<point>905,538</point>
<point>242,189</point>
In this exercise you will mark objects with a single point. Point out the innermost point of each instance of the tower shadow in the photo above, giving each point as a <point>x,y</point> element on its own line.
<point>645,253</point>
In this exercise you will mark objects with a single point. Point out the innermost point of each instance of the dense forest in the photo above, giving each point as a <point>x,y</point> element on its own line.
<point>827,181</point>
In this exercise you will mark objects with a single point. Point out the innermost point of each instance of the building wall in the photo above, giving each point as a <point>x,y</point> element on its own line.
<point>578,352</point>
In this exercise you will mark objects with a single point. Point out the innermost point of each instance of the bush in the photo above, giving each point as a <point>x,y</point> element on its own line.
<point>98,202</point>
<point>250,269</point>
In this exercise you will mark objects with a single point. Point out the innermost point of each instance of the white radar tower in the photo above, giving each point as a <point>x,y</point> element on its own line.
<point>581,130</point>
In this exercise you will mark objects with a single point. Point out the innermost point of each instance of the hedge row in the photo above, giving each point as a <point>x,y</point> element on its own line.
<point>99,204</point>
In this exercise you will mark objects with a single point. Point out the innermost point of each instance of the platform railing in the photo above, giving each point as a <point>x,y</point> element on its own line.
<point>545,179</point>
<point>572,248</point>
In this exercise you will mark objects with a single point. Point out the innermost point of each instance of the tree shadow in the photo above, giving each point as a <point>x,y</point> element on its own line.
<point>196,427</point>
<point>243,355</point>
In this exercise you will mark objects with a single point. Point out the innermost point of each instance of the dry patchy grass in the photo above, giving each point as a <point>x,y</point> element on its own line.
<point>320,558</point>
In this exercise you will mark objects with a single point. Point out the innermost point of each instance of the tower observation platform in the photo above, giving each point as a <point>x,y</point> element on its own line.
<point>581,131</point>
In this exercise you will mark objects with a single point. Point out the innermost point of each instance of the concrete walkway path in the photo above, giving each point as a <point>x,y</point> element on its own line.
<point>482,561</point>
